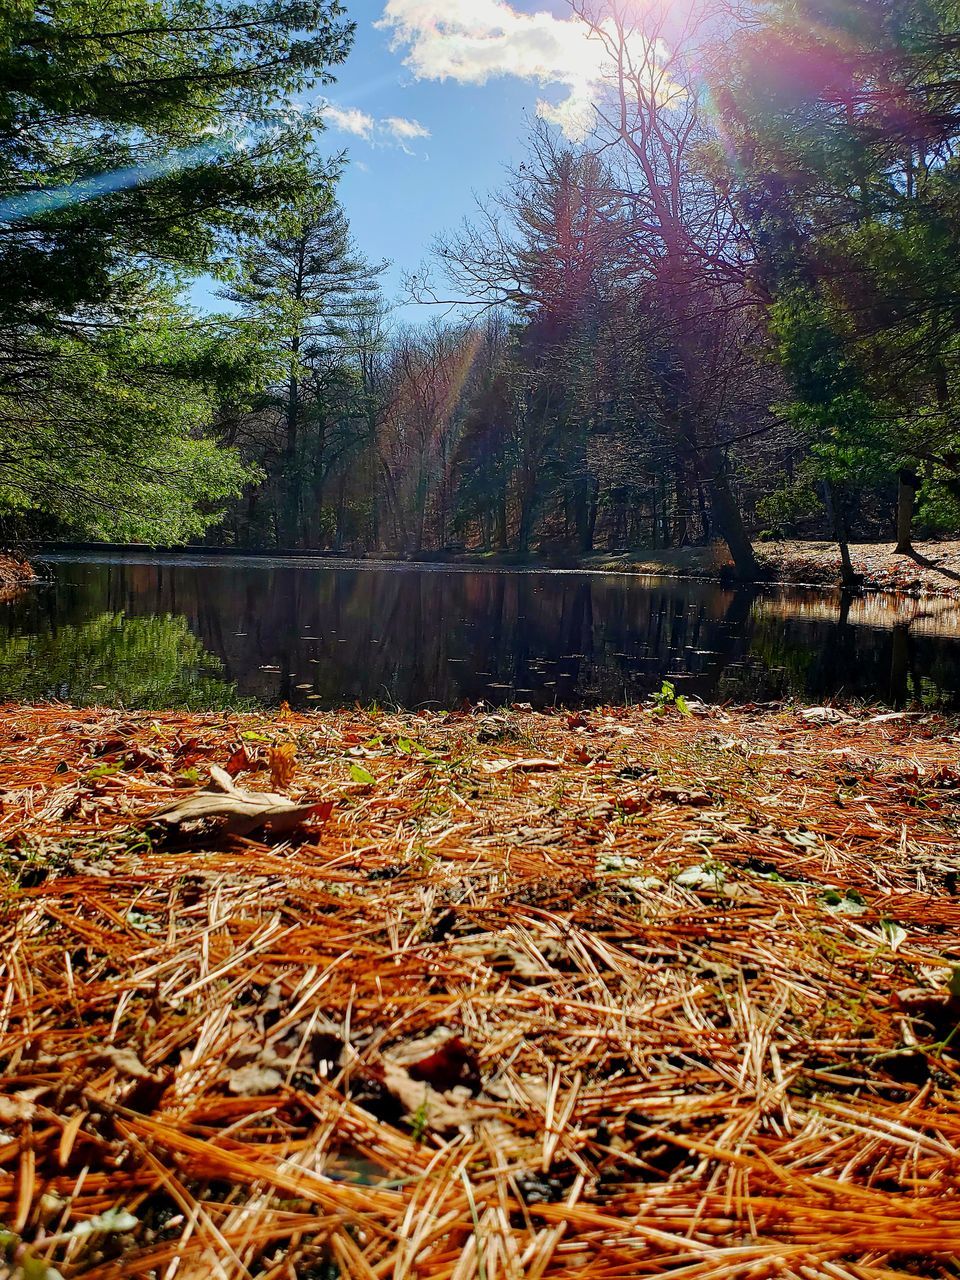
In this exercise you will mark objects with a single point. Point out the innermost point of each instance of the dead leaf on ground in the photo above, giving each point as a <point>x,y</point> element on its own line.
<point>254,1081</point>
<point>452,1065</point>
<point>283,765</point>
<point>444,1113</point>
<point>126,1062</point>
<point>237,811</point>
<point>520,766</point>
<point>682,796</point>
<point>825,715</point>
<point>16,1110</point>
<point>240,762</point>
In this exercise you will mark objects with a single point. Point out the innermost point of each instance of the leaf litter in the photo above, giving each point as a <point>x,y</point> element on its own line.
<point>682,999</point>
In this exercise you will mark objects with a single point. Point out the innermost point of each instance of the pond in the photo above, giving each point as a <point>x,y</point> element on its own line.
<point>161,631</point>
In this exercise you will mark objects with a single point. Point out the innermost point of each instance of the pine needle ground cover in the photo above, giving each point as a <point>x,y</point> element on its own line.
<point>621,994</point>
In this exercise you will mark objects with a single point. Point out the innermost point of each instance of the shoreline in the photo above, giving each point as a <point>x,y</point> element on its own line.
<point>933,570</point>
<point>16,573</point>
<point>648,976</point>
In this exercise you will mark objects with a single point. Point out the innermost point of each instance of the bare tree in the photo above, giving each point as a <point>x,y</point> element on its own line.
<point>686,240</point>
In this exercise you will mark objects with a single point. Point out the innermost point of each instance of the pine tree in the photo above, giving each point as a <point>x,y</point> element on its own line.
<point>844,120</point>
<point>302,282</point>
<point>138,140</point>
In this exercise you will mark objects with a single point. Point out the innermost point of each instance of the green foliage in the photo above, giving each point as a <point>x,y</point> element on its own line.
<point>150,663</point>
<point>111,441</point>
<point>938,510</point>
<point>667,697</point>
<point>120,127</point>
<point>301,282</point>
<point>793,501</point>
<point>854,217</point>
<point>138,141</point>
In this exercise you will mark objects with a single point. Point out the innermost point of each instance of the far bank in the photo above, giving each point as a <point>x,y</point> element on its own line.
<point>930,569</point>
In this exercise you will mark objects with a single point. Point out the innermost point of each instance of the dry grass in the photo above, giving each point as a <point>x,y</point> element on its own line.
<point>696,969</point>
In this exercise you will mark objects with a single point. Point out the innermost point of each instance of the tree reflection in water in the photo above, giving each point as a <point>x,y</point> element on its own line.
<point>152,662</point>
<point>171,631</point>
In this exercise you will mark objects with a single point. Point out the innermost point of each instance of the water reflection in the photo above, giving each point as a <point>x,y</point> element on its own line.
<point>173,632</point>
<point>144,662</point>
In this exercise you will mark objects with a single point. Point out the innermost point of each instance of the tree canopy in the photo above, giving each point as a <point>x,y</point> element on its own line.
<point>730,313</point>
<point>139,140</point>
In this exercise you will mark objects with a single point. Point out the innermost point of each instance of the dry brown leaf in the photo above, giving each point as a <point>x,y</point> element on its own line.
<point>825,715</point>
<point>442,1112</point>
<point>238,812</point>
<point>16,1110</point>
<point>283,765</point>
<point>520,766</point>
<point>254,1081</point>
<point>126,1062</point>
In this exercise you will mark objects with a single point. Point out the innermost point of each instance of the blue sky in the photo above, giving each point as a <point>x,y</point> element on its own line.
<point>436,99</point>
<point>399,197</point>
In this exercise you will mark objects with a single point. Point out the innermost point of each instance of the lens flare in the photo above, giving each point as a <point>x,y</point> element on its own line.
<point>35,204</point>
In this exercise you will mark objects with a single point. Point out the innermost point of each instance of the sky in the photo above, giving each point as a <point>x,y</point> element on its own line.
<point>436,100</point>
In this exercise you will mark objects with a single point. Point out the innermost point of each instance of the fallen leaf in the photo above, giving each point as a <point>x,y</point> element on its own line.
<point>520,766</point>
<point>825,715</point>
<point>443,1113</point>
<point>16,1110</point>
<point>283,765</point>
<point>847,904</point>
<point>893,934</point>
<point>940,1010</point>
<point>126,1062</point>
<point>451,1065</point>
<point>701,877</point>
<point>239,762</point>
<point>679,795</point>
<point>254,1081</point>
<point>114,1220</point>
<point>238,812</point>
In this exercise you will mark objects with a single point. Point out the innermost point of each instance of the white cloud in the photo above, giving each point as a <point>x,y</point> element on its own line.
<point>473,41</point>
<point>393,130</point>
<point>349,120</point>
<point>401,128</point>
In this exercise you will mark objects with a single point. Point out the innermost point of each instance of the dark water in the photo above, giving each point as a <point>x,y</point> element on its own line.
<point>171,631</point>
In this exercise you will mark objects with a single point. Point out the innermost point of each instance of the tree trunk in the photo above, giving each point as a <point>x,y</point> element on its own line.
<point>906,498</point>
<point>423,492</point>
<point>291,514</point>
<point>681,514</point>
<point>341,511</point>
<point>729,521</point>
<point>705,525</point>
<point>583,525</point>
<point>849,577</point>
<point>527,508</point>
<point>502,541</point>
<point>593,512</point>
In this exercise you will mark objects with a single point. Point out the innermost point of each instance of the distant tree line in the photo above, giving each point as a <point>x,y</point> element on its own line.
<point>732,313</point>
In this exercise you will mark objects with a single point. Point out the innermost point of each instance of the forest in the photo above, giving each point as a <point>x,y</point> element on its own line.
<point>731,314</point>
